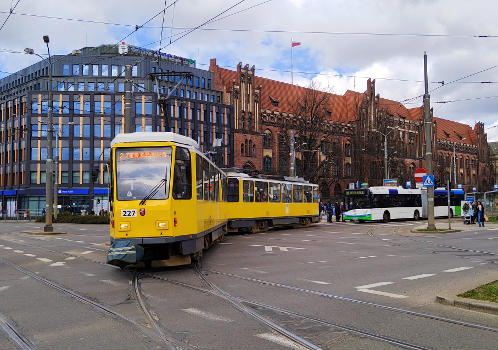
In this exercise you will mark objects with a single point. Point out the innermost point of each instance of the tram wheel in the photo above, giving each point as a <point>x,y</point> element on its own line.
<point>416,215</point>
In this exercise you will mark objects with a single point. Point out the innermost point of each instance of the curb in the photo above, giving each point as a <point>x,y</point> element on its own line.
<point>43,233</point>
<point>469,304</point>
<point>415,230</point>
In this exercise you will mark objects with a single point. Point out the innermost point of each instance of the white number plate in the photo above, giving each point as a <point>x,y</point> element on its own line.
<point>130,213</point>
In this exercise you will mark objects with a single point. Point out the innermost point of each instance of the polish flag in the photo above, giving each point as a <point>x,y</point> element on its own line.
<point>295,43</point>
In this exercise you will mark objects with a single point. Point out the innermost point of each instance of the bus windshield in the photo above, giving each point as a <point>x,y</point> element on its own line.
<point>139,170</point>
<point>357,199</point>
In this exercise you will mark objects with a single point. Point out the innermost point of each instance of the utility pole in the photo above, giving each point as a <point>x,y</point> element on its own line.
<point>48,166</point>
<point>129,125</point>
<point>292,155</point>
<point>56,174</point>
<point>386,168</point>
<point>428,149</point>
<point>449,206</point>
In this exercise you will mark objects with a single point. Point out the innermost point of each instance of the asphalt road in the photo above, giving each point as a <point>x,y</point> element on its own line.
<point>329,286</point>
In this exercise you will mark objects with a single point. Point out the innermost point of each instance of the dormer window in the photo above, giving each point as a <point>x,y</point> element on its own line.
<point>273,100</point>
<point>328,112</point>
<point>446,133</point>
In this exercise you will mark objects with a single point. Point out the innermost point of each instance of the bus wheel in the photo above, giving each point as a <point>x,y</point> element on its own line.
<point>386,217</point>
<point>416,215</point>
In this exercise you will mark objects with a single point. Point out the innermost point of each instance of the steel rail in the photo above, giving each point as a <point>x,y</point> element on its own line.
<point>14,334</point>
<point>348,329</point>
<point>362,302</point>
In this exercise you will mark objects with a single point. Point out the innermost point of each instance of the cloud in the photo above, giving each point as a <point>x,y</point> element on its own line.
<point>345,46</point>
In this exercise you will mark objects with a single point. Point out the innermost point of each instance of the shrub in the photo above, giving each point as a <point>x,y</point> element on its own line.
<point>69,218</point>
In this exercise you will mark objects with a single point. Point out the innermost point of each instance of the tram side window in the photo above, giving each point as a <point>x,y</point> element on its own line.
<point>217,185</point>
<point>212,182</point>
<point>205,171</point>
<point>248,191</point>
<point>182,181</point>
<point>286,193</point>
<point>274,192</point>
<point>198,174</point>
<point>298,194</point>
<point>261,191</point>
<point>233,190</point>
<point>308,194</point>
<point>315,194</point>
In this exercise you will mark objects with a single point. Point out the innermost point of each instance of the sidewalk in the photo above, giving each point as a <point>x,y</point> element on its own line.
<point>457,225</point>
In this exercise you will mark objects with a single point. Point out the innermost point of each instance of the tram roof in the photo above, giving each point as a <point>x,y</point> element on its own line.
<point>154,137</point>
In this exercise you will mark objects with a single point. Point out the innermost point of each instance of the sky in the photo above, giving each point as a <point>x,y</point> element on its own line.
<point>343,42</point>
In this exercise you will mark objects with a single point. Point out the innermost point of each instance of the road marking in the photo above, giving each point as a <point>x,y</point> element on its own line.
<point>255,245</point>
<point>207,315</point>
<point>456,269</point>
<point>346,242</point>
<point>58,263</point>
<point>83,229</point>
<point>112,283</point>
<point>4,288</point>
<point>318,282</point>
<point>7,248</point>
<point>44,260</point>
<point>419,276</point>
<point>224,243</point>
<point>372,256</point>
<point>70,258</point>
<point>18,251</point>
<point>269,248</point>
<point>385,294</point>
<point>391,255</point>
<point>311,262</point>
<point>306,240</point>
<point>358,233</point>
<point>280,340</point>
<point>88,274</point>
<point>492,237</point>
<point>322,261</point>
<point>373,285</point>
<point>79,242</point>
<point>86,252</point>
<point>253,270</point>
<point>385,239</point>
<point>362,257</point>
<point>30,255</point>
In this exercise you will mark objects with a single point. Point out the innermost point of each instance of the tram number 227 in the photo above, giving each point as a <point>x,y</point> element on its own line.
<point>129,213</point>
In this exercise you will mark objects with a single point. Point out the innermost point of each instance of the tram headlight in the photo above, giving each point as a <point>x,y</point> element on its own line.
<point>162,225</point>
<point>124,226</point>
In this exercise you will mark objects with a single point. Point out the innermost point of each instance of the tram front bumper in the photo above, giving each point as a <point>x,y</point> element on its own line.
<point>124,252</point>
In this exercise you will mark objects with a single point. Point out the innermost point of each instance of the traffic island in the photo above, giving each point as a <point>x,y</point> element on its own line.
<point>483,298</point>
<point>43,233</point>
<point>437,230</point>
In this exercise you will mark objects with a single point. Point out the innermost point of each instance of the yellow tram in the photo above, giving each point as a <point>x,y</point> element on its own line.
<point>169,202</point>
<point>165,199</point>
<point>256,204</point>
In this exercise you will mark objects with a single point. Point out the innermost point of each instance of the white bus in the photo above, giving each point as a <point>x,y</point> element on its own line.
<point>387,203</point>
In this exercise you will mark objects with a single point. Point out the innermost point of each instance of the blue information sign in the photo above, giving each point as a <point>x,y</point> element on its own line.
<point>428,181</point>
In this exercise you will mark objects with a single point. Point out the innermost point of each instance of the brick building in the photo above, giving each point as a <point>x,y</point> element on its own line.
<point>351,138</point>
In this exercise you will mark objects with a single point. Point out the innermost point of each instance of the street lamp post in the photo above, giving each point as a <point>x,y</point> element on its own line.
<point>454,162</point>
<point>386,170</point>
<point>48,165</point>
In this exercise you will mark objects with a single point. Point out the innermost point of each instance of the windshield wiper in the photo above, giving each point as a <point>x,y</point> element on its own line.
<point>153,191</point>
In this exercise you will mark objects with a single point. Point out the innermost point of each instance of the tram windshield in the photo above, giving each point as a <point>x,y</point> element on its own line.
<point>357,199</point>
<point>139,170</point>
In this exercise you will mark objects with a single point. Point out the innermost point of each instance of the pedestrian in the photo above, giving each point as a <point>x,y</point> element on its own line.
<point>342,211</point>
<point>329,212</point>
<point>474,211</point>
<point>480,214</point>
<point>338,212</point>
<point>43,211</point>
<point>320,209</point>
<point>28,214</point>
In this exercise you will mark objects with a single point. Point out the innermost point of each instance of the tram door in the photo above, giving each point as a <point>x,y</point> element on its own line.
<point>183,206</point>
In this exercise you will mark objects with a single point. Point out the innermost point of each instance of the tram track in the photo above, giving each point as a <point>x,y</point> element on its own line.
<point>15,335</point>
<point>359,301</point>
<point>248,307</point>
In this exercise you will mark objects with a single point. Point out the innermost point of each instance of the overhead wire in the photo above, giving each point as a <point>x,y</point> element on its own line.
<point>11,11</point>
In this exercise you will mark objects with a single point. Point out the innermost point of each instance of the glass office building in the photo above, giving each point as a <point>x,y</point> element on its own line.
<point>88,111</point>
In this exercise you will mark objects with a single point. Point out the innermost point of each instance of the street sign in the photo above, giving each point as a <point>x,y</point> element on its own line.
<point>123,48</point>
<point>460,186</point>
<point>408,184</point>
<point>391,182</point>
<point>495,187</point>
<point>419,174</point>
<point>428,181</point>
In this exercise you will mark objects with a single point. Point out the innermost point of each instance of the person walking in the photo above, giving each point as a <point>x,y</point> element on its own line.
<point>329,212</point>
<point>474,210</point>
<point>28,214</point>
<point>321,209</point>
<point>480,214</point>
<point>342,211</point>
<point>337,208</point>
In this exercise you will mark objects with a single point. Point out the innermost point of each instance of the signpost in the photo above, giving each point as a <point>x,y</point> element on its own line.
<point>419,174</point>
<point>428,181</point>
<point>391,182</point>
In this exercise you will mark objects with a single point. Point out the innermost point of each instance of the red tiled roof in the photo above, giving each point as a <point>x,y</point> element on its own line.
<point>343,108</point>
<point>454,131</point>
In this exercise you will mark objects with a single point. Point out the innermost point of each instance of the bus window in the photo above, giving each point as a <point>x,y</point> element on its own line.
<point>233,190</point>
<point>308,194</point>
<point>274,192</point>
<point>182,181</point>
<point>286,193</point>
<point>298,194</point>
<point>205,171</point>
<point>248,191</point>
<point>261,191</point>
<point>198,174</point>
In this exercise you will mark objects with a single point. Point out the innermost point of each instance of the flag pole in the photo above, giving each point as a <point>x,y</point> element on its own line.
<point>292,74</point>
